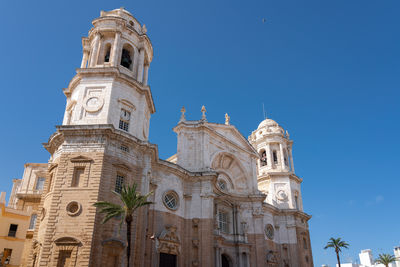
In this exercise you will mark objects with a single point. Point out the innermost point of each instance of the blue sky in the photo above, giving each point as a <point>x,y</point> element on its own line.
<point>327,71</point>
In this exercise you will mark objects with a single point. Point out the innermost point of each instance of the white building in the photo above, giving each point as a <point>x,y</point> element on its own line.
<point>367,259</point>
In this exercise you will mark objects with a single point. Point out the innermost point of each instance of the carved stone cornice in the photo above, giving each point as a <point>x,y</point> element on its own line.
<point>100,131</point>
<point>270,175</point>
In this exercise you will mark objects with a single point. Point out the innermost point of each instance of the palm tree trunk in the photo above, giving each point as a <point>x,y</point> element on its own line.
<point>128,221</point>
<point>338,258</point>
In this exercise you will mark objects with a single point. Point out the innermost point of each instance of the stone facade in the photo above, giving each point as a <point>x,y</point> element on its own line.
<point>221,200</point>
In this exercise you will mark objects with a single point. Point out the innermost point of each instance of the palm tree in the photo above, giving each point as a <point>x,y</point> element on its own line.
<point>385,259</point>
<point>131,201</point>
<point>337,244</point>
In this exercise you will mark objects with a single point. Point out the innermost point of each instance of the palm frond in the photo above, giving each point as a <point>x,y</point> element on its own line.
<point>385,259</point>
<point>131,200</point>
<point>337,244</point>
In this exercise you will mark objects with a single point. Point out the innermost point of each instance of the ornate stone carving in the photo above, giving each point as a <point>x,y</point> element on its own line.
<point>257,211</point>
<point>245,227</point>
<point>282,195</point>
<point>169,241</point>
<point>203,111</point>
<point>183,110</point>
<point>195,242</point>
<point>195,222</point>
<point>272,259</point>
<point>227,119</point>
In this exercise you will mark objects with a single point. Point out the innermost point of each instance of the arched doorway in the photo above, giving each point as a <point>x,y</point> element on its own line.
<point>225,261</point>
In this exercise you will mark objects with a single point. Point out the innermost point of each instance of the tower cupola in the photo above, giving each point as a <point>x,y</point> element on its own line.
<point>275,168</point>
<point>111,85</point>
<point>118,40</point>
<point>273,146</point>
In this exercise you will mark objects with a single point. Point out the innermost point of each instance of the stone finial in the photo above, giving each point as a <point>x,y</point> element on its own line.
<point>287,134</point>
<point>119,12</point>
<point>144,29</point>
<point>183,110</point>
<point>203,111</point>
<point>227,119</point>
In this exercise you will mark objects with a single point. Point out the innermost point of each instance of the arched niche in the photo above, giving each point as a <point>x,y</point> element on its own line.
<point>127,54</point>
<point>231,167</point>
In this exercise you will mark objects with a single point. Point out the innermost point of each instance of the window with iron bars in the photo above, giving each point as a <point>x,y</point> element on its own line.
<point>223,221</point>
<point>124,120</point>
<point>119,183</point>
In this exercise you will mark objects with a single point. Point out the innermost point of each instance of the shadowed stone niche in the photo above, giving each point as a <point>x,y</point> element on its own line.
<point>66,251</point>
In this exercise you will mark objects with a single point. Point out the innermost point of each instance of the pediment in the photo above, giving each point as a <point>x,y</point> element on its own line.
<point>231,134</point>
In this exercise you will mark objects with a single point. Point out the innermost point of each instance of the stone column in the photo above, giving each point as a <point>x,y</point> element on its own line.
<point>217,257</point>
<point>283,166</point>
<point>240,262</point>
<point>95,50</point>
<point>115,49</point>
<point>84,59</point>
<point>269,156</point>
<point>140,66</point>
<point>145,74</point>
<point>291,159</point>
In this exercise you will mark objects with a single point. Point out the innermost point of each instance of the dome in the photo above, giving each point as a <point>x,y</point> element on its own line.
<point>267,123</point>
<point>119,12</point>
<point>121,9</point>
<point>269,126</point>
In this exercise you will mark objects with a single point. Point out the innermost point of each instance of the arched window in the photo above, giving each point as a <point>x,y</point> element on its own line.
<point>285,157</point>
<point>275,156</point>
<point>225,261</point>
<point>263,158</point>
<point>127,56</point>
<point>107,52</point>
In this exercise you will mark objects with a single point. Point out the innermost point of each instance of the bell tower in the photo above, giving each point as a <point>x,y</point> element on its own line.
<point>100,146</point>
<point>275,168</point>
<point>111,85</point>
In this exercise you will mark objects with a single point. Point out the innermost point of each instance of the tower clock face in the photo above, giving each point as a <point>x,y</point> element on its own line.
<point>125,115</point>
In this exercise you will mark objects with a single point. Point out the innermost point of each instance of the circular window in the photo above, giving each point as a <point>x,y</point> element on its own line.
<point>222,185</point>
<point>269,231</point>
<point>171,200</point>
<point>73,208</point>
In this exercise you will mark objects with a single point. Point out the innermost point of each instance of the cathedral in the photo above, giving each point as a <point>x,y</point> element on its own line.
<point>222,200</point>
